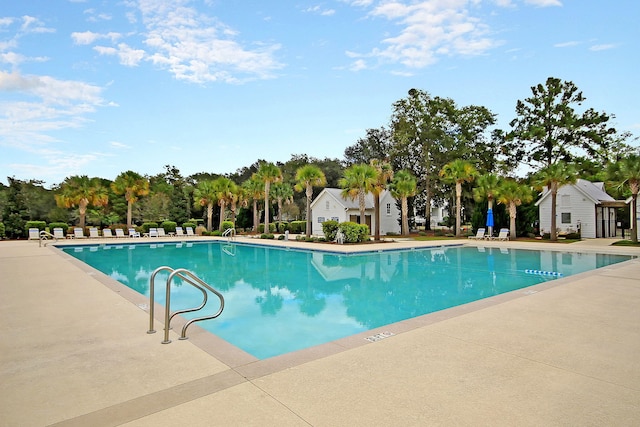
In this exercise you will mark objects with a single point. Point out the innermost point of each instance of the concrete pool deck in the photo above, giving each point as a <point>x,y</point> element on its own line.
<point>74,352</point>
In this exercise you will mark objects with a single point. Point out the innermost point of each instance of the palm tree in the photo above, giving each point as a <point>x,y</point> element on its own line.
<point>458,171</point>
<point>132,185</point>
<point>513,194</point>
<point>384,175</point>
<point>358,180</point>
<point>552,177</point>
<point>238,197</point>
<point>404,186</point>
<point>268,173</point>
<point>82,191</point>
<point>225,189</point>
<point>307,177</point>
<point>487,188</point>
<point>206,194</point>
<point>282,193</point>
<point>254,191</point>
<point>627,171</point>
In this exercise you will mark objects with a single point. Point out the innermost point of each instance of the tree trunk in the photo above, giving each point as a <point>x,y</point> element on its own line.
<point>634,217</point>
<point>223,207</point>
<point>309,193</point>
<point>266,207</point>
<point>129,215</point>
<point>512,220</point>
<point>553,234</point>
<point>376,205</point>
<point>82,210</point>
<point>363,219</point>
<point>405,217</point>
<point>209,216</point>
<point>255,215</point>
<point>458,208</point>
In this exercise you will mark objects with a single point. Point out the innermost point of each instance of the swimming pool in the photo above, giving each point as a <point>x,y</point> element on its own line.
<point>279,300</point>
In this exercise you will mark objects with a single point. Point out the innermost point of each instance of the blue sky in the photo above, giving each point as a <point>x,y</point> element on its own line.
<point>100,87</point>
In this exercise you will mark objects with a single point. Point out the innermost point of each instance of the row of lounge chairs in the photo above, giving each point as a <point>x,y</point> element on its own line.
<point>481,235</point>
<point>78,233</point>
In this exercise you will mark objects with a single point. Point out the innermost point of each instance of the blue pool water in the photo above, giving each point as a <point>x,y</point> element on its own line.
<point>282,300</point>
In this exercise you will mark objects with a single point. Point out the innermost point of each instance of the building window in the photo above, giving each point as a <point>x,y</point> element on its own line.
<point>334,218</point>
<point>326,205</point>
<point>566,217</point>
<point>320,219</point>
<point>388,208</point>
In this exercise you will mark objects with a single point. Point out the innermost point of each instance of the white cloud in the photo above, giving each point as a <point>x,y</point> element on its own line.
<point>567,44</point>
<point>544,3</point>
<point>89,37</point>
<point>320,11</point>
<point>34,25</point>
<point>58,104</point>
<point>430,30</point>
<point>599,47</point>
<point>116,144</point>
<point>127,55</point>
<point>197,48</point>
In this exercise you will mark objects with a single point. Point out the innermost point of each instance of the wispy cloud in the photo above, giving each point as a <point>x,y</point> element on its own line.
<point>429,30</point>
<point>599,47</point>
<point>320,10</point>
<point>544,3</point>
<point>89,37</point>
<point>567,44</point>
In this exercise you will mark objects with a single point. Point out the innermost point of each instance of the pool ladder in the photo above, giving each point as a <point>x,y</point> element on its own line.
<point>187,277</point>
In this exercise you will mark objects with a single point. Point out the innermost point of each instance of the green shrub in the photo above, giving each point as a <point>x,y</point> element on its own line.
<point>40,225</point>
<point>227,225</point>
<point>272,228</point>
<point>169,226</point>
<point>267,236</point>
<point>330,228</point>
<point>281,237</point>
<point>297,227</point>
<point>193,225</point>
<point>281,226</point>
<point>2,232</point>
<point>62,225</point>
<point>147,225</point>
<point>216,233</point>
<point>353,232</point>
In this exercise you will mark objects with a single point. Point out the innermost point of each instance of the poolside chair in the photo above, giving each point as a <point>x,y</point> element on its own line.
<point>480,234</point>
<point>133,233</point>
<point>179,232</point>
<point>503,235</point>
<point>119,232</point>
<point>58,233</point>
<point>107,233</point>
<point>190,232</point>
<point>161,232</point>
<point>34,234</point>
<point>93,233</point>
<point>78,233</point>
<point>153,232</point>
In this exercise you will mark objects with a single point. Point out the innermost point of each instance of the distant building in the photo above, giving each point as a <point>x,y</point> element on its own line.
<point>330,205</point>
<point>584,206</point>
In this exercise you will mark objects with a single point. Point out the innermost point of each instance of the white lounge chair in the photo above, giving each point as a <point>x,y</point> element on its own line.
<point>93,233</point>
<point>179,232</point>
<point>190,232</point>
<point>119,233</point>
<point>161,232</point>
<point>480,234</point>
<point>503,235</point>
<point>58,233</point>
<point>78,233</point>
<point>34,234</point>
<point>107,233</point>
<point>133,233</point>
<point>153,232</point>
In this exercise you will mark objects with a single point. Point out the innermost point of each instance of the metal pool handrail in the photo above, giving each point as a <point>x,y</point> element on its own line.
<point>190,278</point>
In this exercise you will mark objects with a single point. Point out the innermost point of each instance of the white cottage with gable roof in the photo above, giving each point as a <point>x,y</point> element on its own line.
<point>583,206</point>
<point>330,205</point>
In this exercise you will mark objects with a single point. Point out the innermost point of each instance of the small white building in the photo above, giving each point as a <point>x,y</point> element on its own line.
<point>629,202</point>
<point>330,205</point>
<point>583,206</point>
